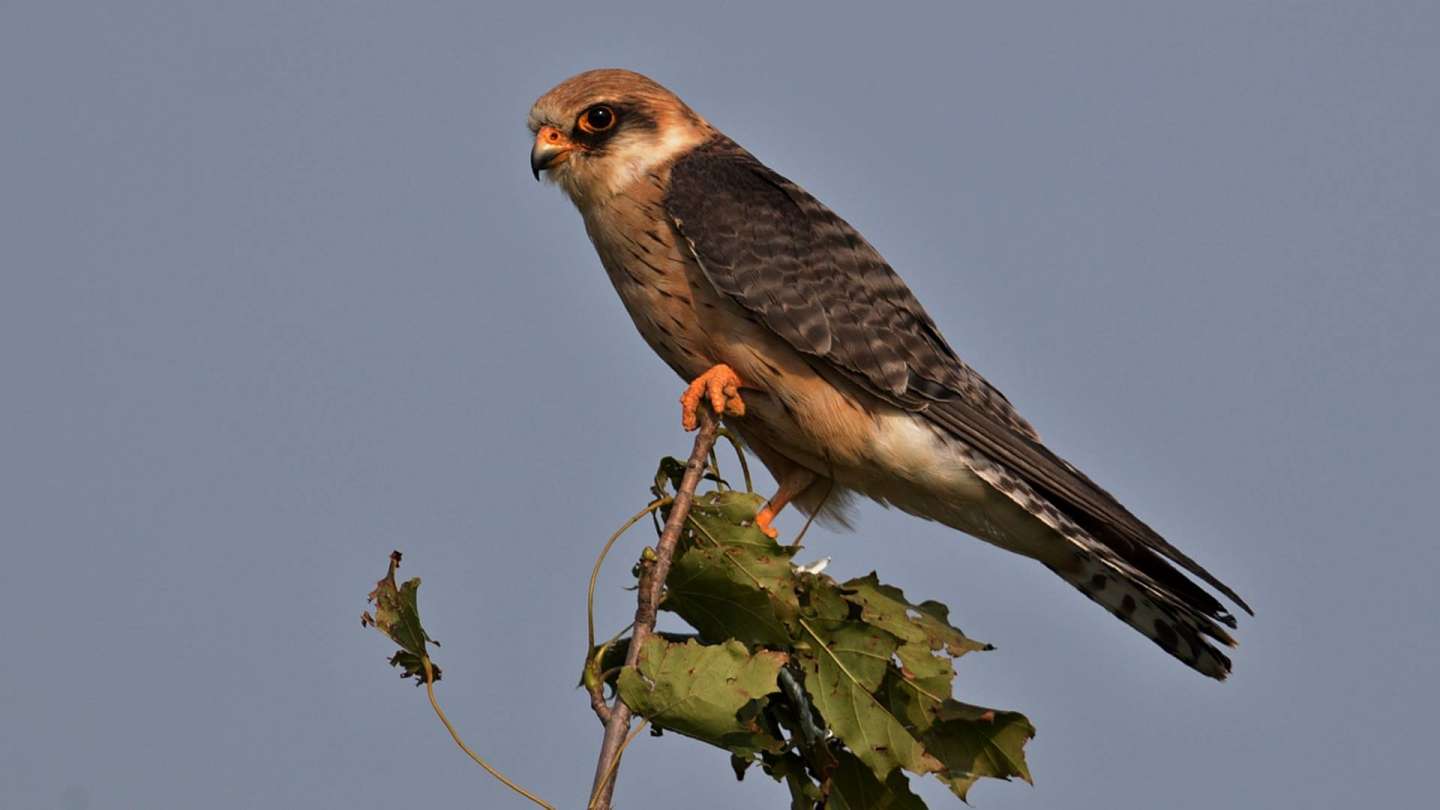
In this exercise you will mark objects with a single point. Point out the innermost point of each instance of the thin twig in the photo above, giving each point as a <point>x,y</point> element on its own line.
<point>811,519</point>
<point>740,455</point>
<point>652,581</point>
<point>596,688</point>
<point>435,704</point>
<point>610,774</point>
<point>595,572</point>
<point>715,470</point>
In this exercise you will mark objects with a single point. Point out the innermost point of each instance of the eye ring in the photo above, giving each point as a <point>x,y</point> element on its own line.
<point>597,119</point>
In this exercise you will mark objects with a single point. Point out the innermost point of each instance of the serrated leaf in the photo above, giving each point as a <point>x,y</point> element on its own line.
<point>928,623</point>
<point>712,692</point>
<point>916,699</point>
<point>877,670</point>
<point>397,615</point>
<point>974,742</point>
<point>853,786</point>
<point>923,682</point>
<point>843,669</point>
<point>729,580</point>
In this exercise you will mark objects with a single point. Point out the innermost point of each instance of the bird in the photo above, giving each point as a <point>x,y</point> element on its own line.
<point>782,318</point>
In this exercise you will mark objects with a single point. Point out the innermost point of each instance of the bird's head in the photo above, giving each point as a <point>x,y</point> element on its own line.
<point>600,131</point>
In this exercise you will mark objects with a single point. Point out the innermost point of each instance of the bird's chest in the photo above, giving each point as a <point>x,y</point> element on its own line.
<point>656,282</point>
<point>692,326</point>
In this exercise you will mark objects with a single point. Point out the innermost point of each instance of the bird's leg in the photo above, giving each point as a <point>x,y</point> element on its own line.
<point>795,481</point>
<point>721,385</point>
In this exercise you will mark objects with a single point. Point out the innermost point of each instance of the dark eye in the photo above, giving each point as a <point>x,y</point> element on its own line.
<point>597,119</point>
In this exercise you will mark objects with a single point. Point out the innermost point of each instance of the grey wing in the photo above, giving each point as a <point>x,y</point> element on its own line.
<point>817,283</point>
<point>813,280</point>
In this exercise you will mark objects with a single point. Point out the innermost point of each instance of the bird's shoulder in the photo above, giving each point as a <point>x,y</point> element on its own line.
<point>812,278</point>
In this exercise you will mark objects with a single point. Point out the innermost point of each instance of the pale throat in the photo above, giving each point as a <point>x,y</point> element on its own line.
<point>631,160</point>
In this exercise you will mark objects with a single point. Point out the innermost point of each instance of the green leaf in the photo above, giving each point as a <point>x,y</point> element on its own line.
<point>843,669</point>
<point>732,514</point>
<point>877,671</point>
<point>973,741</point>
<point>928,623</point>
<point>822,599</point>
<point>397,615</point>
<point>608,659</point>
<point>916,699</point>
<point>790,769</point>
<point>925,676</point>
<point>729,580</point>
<point>713,693</point>
<point>853,786</point>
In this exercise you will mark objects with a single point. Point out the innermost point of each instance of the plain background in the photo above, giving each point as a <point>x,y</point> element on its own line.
<point>278,294</point>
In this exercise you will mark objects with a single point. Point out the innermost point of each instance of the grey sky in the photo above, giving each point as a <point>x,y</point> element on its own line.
<point>277,294</point>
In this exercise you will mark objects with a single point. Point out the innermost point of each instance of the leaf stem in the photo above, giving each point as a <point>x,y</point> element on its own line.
<point>715,470</point>
<point>740,456</point>
<point>595,572</point>
<point>435,704</point>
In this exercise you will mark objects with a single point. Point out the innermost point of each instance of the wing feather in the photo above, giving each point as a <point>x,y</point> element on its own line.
<point>812,279</point>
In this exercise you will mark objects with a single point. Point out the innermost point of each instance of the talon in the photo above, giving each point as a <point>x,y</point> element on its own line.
<point>721,386</point>
<point>792,484</point>
<point>763,521</point>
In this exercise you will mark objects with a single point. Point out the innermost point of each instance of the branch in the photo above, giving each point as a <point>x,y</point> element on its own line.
<point>652,582</point>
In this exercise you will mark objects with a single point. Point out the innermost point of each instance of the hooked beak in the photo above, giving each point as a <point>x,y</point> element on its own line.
<point>551,148</point>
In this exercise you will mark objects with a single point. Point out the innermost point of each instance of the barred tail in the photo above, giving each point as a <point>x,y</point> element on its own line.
<point>1176,627</point>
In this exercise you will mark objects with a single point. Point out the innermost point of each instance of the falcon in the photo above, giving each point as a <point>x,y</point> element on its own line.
<point>792,327</point>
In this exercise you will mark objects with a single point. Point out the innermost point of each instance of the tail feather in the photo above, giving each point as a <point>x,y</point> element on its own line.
<point>1141,589</point>
<point>1162,572</point>
<point>1174,626</point>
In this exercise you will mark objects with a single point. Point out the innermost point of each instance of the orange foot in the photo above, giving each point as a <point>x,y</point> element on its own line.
<point>792,484</point>
<point>764,519</point>
<point>721,386</point>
